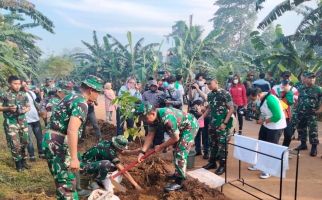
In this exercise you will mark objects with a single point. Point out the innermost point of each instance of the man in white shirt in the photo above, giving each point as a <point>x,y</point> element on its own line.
<point>33,123</point>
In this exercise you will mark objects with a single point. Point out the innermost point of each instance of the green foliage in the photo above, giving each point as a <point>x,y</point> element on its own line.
<point>191,50</point>
<point>57,67</point>
<point>114,61</point>
<point>18,51</point>
<point>27,8</point>
<point>127,104</point>
<point>237,19</point>
<point>282,54</point>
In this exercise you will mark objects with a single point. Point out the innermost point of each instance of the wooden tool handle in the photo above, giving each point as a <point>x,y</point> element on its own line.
<point>133,164</point>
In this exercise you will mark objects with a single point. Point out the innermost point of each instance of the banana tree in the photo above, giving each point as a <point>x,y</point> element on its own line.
<point>191,50</point>
<point>283,54</point>
<point>132,56</point>
<point>309,29</point>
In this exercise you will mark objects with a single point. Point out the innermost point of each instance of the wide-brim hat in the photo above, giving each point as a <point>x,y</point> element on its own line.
<point>94,83</point>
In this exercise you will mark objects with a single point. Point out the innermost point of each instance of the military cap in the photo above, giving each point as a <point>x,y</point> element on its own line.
<point>143,109</point>
<point>94,83</point>
<point>120,142</point>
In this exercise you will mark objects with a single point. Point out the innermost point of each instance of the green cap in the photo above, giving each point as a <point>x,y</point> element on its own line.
<point>94,83</point>
<point>143,108</point>
<point>309,74</point>
<point>120,142</point>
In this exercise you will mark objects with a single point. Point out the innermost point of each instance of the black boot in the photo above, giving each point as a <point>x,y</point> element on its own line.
<point>314,150</point>
<point>24,164</point>
<point>177,185</point>
<point>221,169</point>
<point>302,146</point>
<point>19,166</point>
<point>205,156</point>
<point>210,165</point>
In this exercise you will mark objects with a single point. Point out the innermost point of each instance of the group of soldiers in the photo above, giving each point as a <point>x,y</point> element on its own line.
<point>68,117</point>
<point>64,127</point>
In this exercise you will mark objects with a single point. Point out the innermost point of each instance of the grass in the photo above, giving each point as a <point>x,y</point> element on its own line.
<point>35,184</point>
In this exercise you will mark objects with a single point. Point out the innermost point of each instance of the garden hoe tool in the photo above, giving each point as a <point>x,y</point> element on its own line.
<point>117,185</point>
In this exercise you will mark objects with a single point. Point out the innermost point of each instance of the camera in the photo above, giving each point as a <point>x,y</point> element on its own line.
<point>19,109</point>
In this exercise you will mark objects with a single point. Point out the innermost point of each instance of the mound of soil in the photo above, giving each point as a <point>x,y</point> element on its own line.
<point>108,131</point>
<point>151,175</point>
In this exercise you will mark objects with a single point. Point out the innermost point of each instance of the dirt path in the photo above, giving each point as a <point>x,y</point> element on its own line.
<point>310,171</point>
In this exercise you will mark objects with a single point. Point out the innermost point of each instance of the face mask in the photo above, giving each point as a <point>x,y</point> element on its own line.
<point>258,102</point>
<point>200,83</point>
<point>235,81</point>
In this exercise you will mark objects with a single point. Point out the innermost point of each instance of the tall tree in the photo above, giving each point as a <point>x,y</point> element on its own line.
<point>237,19</point>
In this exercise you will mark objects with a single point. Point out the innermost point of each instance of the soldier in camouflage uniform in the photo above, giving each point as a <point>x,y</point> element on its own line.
<point>299,86</point>
<point>61,137</point>
<point>61,90</point>
<point>14,106</point>
<point>220,107</point>
<point>182,129</point>
<point>102,159</point>
<point>309,103</point>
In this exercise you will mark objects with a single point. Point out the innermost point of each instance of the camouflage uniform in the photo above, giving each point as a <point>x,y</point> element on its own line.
<point>218,102</point>
<point>299,86</point>
<point>309,101</point>
<point>177,122</point>
<point>15,124</point>
<point>55,144</point>
<point>99,160</point>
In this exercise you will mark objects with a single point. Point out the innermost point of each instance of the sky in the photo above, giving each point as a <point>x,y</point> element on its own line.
<point>75,20</point>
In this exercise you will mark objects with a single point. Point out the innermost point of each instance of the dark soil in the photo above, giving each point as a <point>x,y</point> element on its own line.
<point>151,175</point>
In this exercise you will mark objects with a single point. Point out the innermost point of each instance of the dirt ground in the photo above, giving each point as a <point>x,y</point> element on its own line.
<point>310,171</point>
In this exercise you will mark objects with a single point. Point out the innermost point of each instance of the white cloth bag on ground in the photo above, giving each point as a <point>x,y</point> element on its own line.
<point>244,154</point>
<point>102,195</point>
<point>272,165</point>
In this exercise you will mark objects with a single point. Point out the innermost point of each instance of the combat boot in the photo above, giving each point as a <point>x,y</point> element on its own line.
<point>314,150</point>
<point>19,166</point>
<point>222,167</point>
<point>302,146</point>
<point>210,165</point>
<point>206,156</point>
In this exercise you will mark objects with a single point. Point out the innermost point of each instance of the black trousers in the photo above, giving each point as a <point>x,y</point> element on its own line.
<point>288,133</point>
<point>269,135</point>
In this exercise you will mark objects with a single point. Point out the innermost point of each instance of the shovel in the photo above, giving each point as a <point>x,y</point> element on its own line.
<point>117,185</point>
